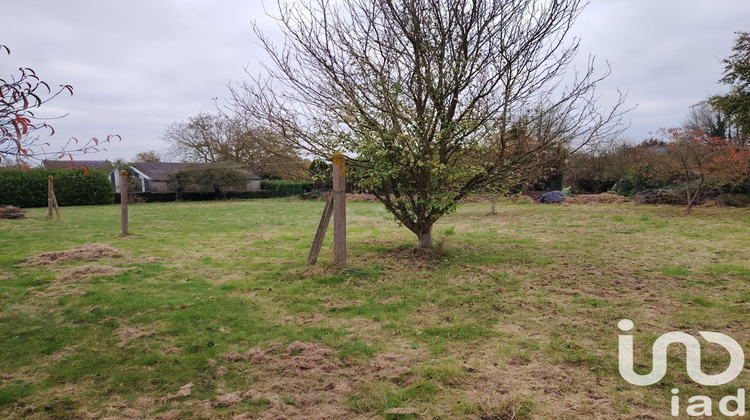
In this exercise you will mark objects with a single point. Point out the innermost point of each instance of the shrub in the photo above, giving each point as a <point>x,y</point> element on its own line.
<point>596,171</point>
<point>661,196</point>
<point>734,200</point>
<point>321,173</point>
<point>285,188</point>
<point>639,178</point>
<point>72,188</point>
<point>221,178</point>
<point>673,195</point>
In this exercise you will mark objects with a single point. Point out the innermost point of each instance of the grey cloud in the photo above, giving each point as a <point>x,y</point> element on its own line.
<point>137,66</point>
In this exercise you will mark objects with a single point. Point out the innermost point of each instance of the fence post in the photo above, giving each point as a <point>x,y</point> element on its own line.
<point>52,200</point>
<point>339,211</point>
<point>124,201</point>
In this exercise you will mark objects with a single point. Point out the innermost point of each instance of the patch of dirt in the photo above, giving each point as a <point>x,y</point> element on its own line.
<point>92,309</point>
<point>402,411</point>
<point>341,304</point>
<point>123,411</point>
<point>314,318</point>
<point>572,390</point>
<point>312,376</point>
<point>389,365</point>
<point>228,400</point>
<point>169,415</point>
<point>184,391</point>
<point>127,334</point>
<point>393,299</point>
<point>85,252</point>
<point>603,198</point>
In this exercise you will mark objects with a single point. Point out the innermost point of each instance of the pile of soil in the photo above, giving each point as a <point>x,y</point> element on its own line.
<point>11,212</point>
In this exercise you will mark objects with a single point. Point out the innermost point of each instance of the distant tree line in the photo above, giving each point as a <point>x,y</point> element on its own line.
<point>709,154</point>
<point>221,138</point>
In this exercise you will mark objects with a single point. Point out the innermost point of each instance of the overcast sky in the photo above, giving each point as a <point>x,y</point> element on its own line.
<point>138,65</point>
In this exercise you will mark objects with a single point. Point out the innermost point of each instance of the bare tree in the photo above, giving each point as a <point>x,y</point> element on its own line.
<point>599,168</point>
<point>214,138</point>
<point>421,94</point>
<point>147,156</point>
<point>703,117</point>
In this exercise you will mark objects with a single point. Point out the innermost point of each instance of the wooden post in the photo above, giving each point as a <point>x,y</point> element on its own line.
<point>52,200</point>
<point>312,258</point>
<point>54,204</point>
<point>50,205</point>
<point>339,211</point>
<point>124,201</point>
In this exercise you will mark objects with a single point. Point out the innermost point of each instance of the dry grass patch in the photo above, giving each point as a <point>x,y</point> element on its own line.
<point>308,380</point>
<point>85,252</point>
<point>126,334</point>
<point>87,272</point>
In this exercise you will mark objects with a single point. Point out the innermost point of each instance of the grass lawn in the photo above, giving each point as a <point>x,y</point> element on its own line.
<point>208,311</point>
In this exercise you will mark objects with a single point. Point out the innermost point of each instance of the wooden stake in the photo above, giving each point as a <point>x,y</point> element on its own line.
<point>124,201</point>
<point>50,204</point>
<point>52,200</point>
<point>339,211</point>
<point>312,258</point>
<point>54,204</point>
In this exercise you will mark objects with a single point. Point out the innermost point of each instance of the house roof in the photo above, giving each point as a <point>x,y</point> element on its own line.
<point>76,164</point>
<point>159,171</point>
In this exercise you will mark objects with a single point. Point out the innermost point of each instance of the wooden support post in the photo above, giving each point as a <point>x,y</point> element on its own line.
<point>124,201</point>
<point>312,258</point>
<point>50,205</point>
<point>339,211</point>
<point>52,200</point>
<point>54,204</point>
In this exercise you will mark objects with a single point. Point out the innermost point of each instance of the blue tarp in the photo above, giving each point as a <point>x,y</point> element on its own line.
<point>551,197</point>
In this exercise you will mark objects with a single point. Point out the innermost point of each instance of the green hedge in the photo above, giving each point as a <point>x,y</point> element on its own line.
<point>72,188</point>
<point>285,188</point>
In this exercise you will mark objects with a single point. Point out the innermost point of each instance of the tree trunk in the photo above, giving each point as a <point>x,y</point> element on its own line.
<point>492,205</point>
<point>425,238</point>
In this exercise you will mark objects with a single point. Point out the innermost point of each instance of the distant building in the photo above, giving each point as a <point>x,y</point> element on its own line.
<point>153,176</point>
<point>100,165</point>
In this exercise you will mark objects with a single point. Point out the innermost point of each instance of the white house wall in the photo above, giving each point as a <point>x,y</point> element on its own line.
<point>114,177</point>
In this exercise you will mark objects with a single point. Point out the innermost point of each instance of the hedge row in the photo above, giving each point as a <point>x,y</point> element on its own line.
<point>285,188</point>
<point>163,197</point>
<point>72,188</point>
